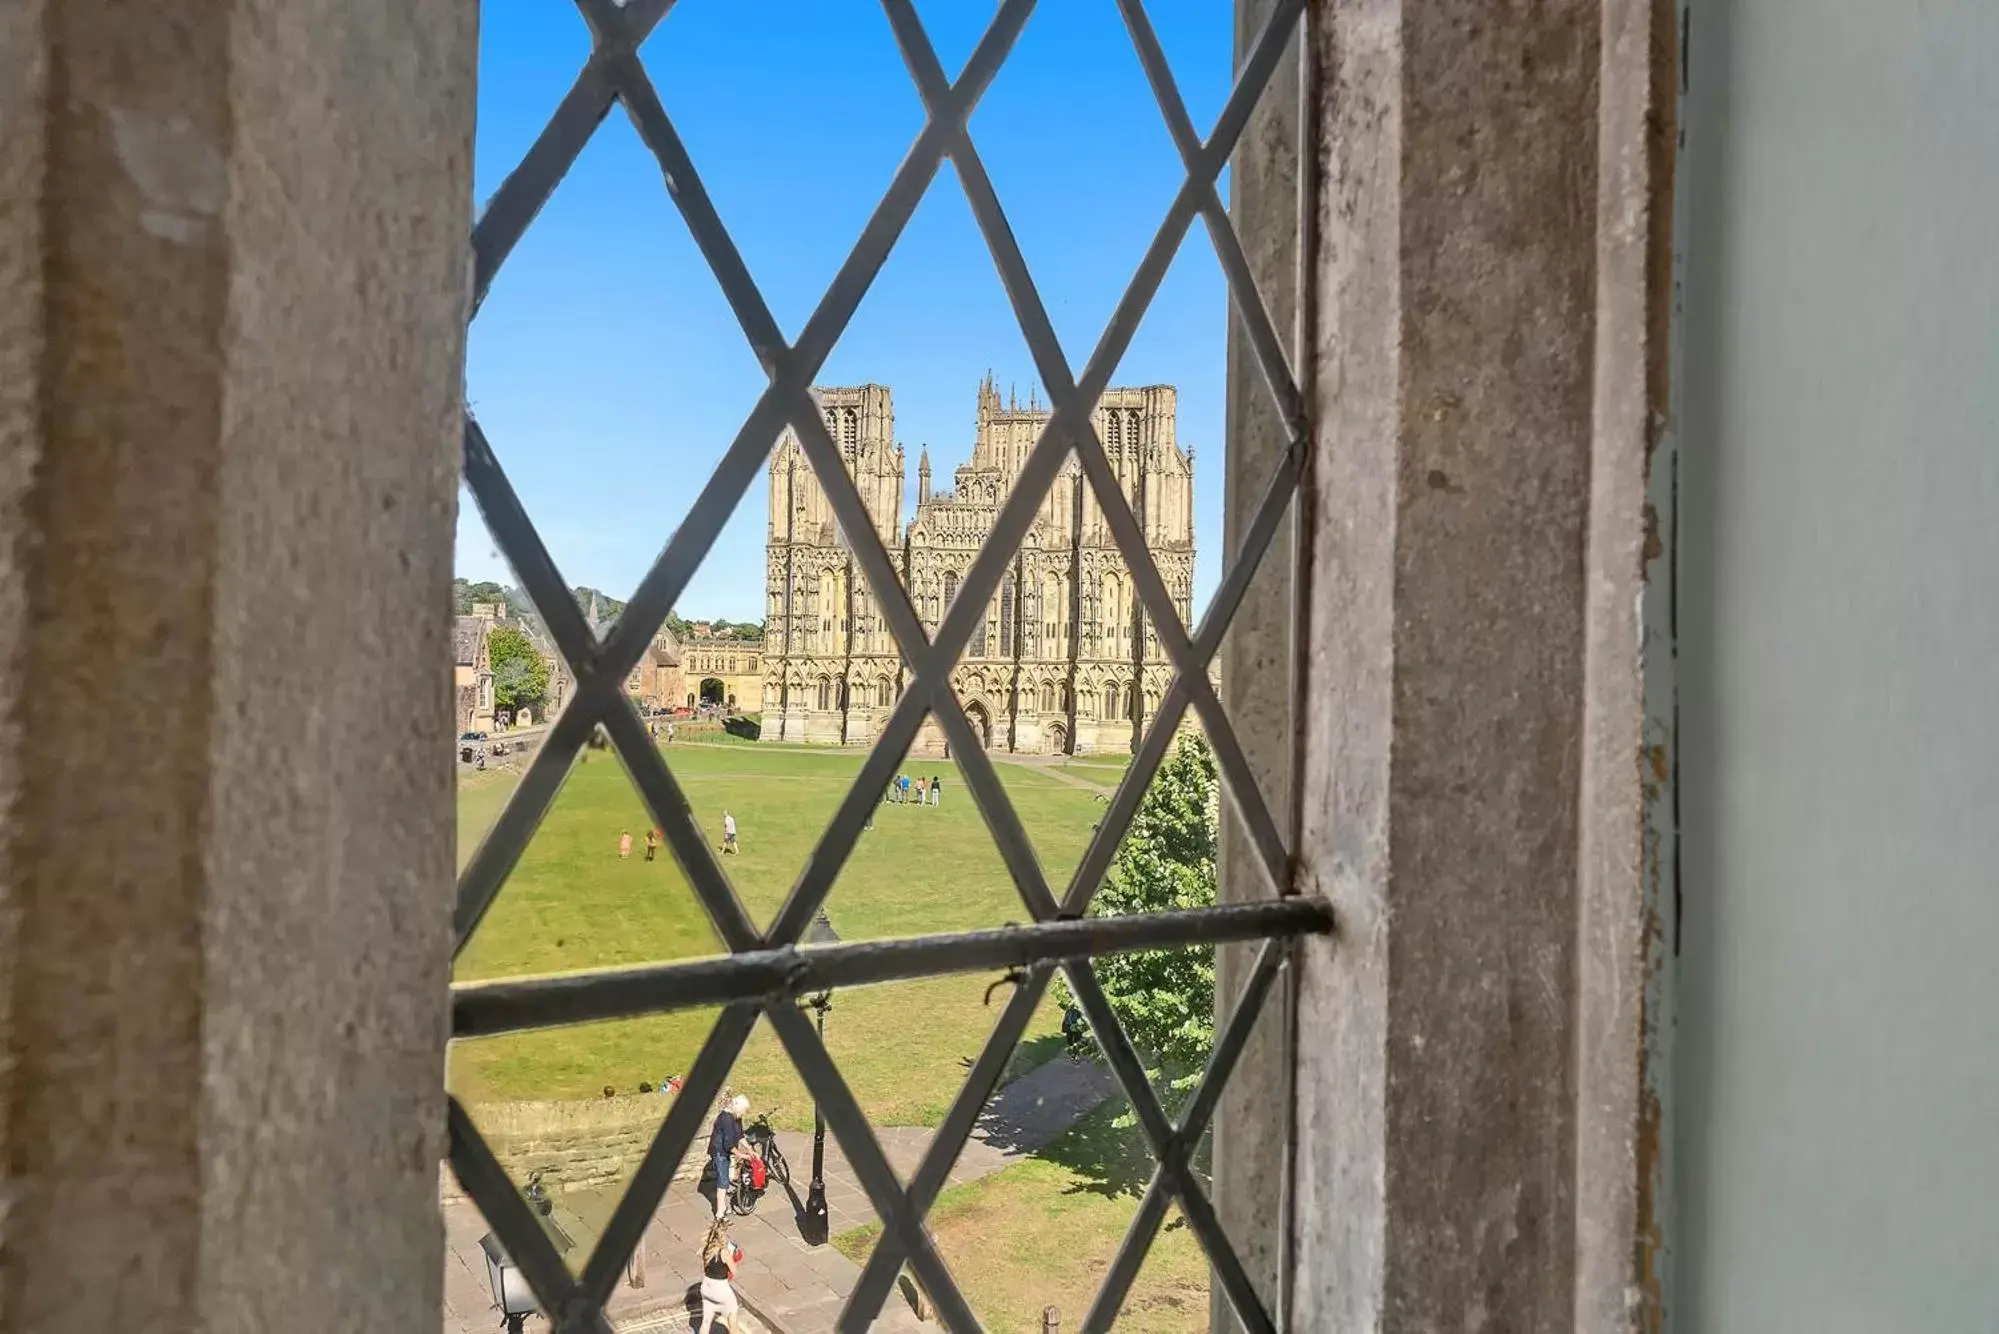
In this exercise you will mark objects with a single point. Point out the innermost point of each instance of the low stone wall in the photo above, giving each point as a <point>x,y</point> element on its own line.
<point>575,1145</point>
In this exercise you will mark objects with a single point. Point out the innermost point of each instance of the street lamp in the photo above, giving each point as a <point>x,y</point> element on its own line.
<point>815,1228</point>
<point>510,1287</point>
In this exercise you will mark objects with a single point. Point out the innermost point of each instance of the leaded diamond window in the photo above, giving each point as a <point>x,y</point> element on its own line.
<point>768,972</point>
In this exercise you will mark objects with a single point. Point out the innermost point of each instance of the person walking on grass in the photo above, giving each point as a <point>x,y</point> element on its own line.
<point>625,846</point>
<point>936,784</point>
<point>652,843</point>
<point>720,1259</point>
<point>729,835</point>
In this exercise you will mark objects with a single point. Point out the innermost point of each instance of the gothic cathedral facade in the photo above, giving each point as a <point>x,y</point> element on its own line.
<point>1063,660</point>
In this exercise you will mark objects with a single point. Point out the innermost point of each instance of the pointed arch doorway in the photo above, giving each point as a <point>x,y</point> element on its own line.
<point>981,721</point>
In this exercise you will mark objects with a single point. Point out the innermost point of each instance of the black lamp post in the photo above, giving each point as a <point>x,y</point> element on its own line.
<point>510,1289</point>
<point>815,1228</point>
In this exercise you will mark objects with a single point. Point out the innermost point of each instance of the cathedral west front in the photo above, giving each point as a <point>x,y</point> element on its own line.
<point>1063,660</point>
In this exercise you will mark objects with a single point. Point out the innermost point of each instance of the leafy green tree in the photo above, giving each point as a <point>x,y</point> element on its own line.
<point>608,607</point>
<point>520,673</point>
<point>1165,998</point>
<point>464,593</point>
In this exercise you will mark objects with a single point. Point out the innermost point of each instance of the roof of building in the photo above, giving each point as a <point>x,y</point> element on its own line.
<point>466,634</point>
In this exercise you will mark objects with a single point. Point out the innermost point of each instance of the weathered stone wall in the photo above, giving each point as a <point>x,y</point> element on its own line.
<point>233,286</point>
<point>579,1145</point>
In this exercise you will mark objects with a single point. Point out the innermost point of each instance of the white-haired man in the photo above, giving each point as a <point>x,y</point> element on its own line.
<point>726,1146</point>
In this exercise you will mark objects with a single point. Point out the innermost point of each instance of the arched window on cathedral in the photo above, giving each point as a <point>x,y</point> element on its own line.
<point>1006,617</point>
<point>850,429</point>
<point>1110,702</point>
<point>1114,613</point>
<point>883,693</point>
<point>820,631</point>
<point>825,694</point>
<point>950,591</point>
<point>1048,697</point>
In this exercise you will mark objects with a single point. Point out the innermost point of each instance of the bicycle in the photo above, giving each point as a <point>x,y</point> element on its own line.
<point>744,1193</point>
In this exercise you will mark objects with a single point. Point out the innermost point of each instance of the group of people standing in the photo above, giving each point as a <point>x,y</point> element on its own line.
<point>907,791</point>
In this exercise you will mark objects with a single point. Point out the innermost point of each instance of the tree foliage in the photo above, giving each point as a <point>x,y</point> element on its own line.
<point>608,607</point>
<point>520,673</point>
<point>1166,998</point>
<point>464,593</point>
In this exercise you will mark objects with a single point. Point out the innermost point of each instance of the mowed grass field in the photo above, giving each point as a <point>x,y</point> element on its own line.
<point>1043,1233</point>
<point>571,903</point>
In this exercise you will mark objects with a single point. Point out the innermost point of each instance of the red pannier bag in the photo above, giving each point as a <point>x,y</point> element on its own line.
<point>759,1174</point>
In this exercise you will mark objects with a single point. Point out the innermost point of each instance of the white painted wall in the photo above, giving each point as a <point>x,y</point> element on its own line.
<point>1838,1061</point>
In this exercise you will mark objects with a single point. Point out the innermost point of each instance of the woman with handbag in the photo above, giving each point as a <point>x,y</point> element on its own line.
<point>720,1258</point>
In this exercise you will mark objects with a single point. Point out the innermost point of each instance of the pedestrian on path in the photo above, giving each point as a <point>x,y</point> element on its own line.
<point>725,1146</point>
<point>625,846</point>
<point>729,834</point>
<point>652,843</point>
<point>720,1259</point>
<point>936,786</point>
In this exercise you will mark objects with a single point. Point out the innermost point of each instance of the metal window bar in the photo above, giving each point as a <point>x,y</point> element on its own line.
<point>767,972</point>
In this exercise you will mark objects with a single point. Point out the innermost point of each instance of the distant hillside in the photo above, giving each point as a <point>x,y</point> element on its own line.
<point>465,592</point>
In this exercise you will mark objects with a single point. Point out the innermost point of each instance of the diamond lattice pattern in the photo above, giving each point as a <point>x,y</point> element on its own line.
<point>614,74</point>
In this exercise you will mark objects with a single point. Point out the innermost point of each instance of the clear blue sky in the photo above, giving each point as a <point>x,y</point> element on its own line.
<point>606,366</point>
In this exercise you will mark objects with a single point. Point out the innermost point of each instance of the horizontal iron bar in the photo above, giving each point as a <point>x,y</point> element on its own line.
<point>483,1009</point>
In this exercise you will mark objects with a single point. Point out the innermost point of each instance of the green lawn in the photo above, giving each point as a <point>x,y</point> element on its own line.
<point>1108,769</point>
<point>1043,1232</point>
<point>571,903</point>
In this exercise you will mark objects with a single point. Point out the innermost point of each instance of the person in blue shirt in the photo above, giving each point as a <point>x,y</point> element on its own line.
<point>725,1145</point>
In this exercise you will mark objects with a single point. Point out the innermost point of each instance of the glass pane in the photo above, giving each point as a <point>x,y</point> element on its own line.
<point>508,682</point>
<point>611,376</point>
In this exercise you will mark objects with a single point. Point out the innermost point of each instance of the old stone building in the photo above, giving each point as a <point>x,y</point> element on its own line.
<point>1063,660</point>
<point>658,682</point>
<point>472,671</point>
<point>728,672</point>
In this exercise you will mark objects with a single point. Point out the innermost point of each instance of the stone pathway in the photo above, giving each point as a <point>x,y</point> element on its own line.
<point>790,1287</point>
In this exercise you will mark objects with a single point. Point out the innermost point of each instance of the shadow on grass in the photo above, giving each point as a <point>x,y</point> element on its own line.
<point>1029,1055</point>
<point>1108,1151</point>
